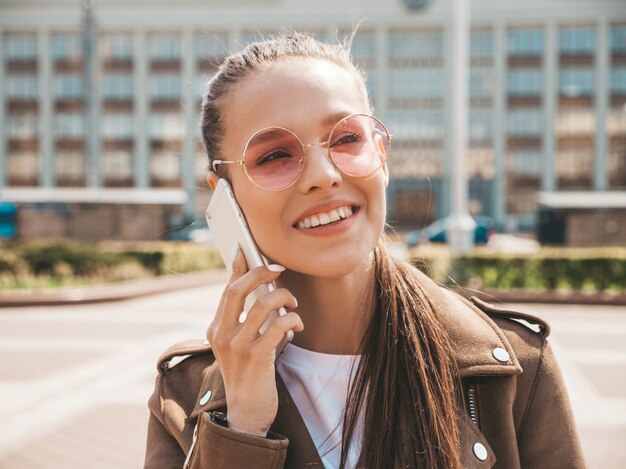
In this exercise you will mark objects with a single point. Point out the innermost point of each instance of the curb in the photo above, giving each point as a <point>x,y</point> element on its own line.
<point>548,297</point>
<point>111,292</point>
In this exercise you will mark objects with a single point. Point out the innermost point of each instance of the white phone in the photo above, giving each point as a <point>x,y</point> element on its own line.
<point>228,226</point>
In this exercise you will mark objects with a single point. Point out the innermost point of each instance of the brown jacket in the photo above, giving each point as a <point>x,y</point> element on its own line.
<point>517,405</point>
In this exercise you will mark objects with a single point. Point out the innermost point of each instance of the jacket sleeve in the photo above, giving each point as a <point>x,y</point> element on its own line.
<point>548,437</point>
<point>171,446</point>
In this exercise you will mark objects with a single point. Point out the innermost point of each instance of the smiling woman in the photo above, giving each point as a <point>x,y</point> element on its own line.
<point>386,369</point>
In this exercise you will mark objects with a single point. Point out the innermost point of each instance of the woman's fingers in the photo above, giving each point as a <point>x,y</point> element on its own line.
<point>263,307</point>
<point>279,327</point>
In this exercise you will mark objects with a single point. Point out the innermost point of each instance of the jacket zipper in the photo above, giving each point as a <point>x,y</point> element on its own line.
<point>472,403</point>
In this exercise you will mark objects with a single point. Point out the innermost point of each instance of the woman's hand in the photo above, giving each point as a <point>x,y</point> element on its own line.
<point>246,358</point>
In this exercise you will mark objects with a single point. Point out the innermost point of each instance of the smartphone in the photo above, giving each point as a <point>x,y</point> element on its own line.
<point>228,226</point>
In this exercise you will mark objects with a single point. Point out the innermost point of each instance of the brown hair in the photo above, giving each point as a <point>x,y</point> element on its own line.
<point>406,384</point>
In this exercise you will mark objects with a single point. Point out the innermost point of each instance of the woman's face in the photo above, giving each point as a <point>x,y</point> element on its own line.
<point>306,96</point>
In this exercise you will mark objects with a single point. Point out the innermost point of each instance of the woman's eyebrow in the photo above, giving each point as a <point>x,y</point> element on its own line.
<point>335,117</point>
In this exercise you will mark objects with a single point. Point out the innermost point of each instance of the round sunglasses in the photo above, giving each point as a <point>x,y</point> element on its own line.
<point>274,157</point>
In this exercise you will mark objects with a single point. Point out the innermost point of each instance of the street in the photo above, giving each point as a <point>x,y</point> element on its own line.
<point>74,381</point>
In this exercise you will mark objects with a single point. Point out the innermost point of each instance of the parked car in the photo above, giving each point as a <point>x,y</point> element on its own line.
<point>436,232</point>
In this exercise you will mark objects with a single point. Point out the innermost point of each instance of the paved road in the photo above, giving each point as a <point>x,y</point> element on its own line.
<point>74,381</point>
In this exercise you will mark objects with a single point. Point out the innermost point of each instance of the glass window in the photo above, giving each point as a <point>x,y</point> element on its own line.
<point>524,122</point>
<point>416,83</point>
<point>22,86</point>
<point>164,47</point>
<point>481,82</point>
<point>69,165</point>
<point>117,126</point>
<point>117,86</point>
<point>525,162</point>
<point>117,47</point>
<point>480,125</point>
<point>117,165</point>
<point>364,46</point>
<point>165,166</point>
<point>525,41</point>
<point>23,166</point>
<point>576,82</point>
<point>414,44</point>
<point>66,47</point>
<point>416,124</point>
<point>524,82</point>
<point>22,126</point>
<point>481,44</point>
<point>166,126</point>
<point>68,85</point>
<point>575,122</point>
<point>165,86</point>
<point>211,46</point>
<point>69,125</point>
<point>618,39</point>
<point>21,46</point>
<point>577,40</point>
<point>618,80</point>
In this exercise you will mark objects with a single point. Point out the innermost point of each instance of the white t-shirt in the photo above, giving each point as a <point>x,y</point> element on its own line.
<point>318,384</point>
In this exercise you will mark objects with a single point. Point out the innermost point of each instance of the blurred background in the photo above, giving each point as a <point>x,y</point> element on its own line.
<point>103,179</point>
<point>99,108</point>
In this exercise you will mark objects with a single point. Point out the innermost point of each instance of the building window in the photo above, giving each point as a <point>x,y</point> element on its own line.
<point>481,44</point>
<point>23,168</point>
<point>525,163</point>
<point>69,167</point>
<point>416,124</point>
<point>416,83</point>
<point>66,47</point>
<point>525,42</point>
<point>117,86</point>
<point>21,46</point>
<point>118,47</point>
<point>618,39</point>
<point>69,86</point>
<point>363,47</point>
<point>211,46</point>
<point>416,45</point>
<point>166,127</point>
<point>524,122</point>
<point>618,80</point>
<point>117,126</point>
<point>165,168</point>
<point>165,47</point>
<point>480,125</point>
<point>165,86</point>
<point>117,166</point>
<point>575,82</point>
<point>524,82</point>
<point>22,86</point>
<point>481,82</point>
<point>22,126</point>
<point>575,122</point>
<point>69,125</point>
<point>576,40</point>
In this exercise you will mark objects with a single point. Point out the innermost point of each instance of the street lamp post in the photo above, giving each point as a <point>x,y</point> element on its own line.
<point>460,228</point>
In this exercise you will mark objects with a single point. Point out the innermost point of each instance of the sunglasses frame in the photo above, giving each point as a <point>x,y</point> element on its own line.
<point>242,161</point>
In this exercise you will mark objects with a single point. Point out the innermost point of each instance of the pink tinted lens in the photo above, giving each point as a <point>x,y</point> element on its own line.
<point>359,145</point>
<point>273,158</point>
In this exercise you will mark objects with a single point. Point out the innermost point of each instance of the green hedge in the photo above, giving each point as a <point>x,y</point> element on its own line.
<point>593,270</point>
<point>59,263</point>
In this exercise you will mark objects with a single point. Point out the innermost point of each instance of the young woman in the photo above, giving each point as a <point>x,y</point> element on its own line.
<point>386,369</point>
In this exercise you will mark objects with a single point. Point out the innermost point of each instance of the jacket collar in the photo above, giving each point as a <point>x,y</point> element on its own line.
<point>478,343</point>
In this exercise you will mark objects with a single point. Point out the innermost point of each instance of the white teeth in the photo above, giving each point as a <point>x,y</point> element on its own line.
<point>325,217</point>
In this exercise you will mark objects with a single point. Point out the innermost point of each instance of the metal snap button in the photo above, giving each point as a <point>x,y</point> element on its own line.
<point>206,397</point>
<point>500,354</point>
<point>480,451</point>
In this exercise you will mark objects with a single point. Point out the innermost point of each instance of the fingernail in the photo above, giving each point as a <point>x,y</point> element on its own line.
<point>233,251</point>
<point>276,268</point>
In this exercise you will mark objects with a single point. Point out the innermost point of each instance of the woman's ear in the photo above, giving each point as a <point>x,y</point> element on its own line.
<point>212,179</point>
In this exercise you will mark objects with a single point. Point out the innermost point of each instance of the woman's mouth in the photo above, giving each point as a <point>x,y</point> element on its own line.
<point>326,218</point>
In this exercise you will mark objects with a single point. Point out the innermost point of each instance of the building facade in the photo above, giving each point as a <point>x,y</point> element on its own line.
<point>547,111</point>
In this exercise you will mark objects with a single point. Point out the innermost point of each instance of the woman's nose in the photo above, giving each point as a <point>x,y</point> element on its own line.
<point>319,171</point>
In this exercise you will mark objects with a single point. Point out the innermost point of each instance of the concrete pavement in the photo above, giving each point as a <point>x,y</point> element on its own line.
<point>74,380</point>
